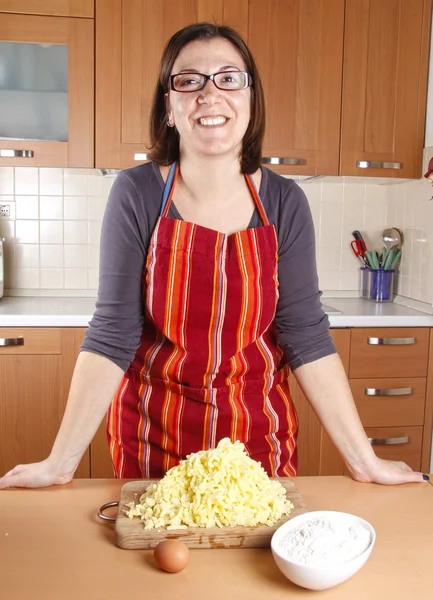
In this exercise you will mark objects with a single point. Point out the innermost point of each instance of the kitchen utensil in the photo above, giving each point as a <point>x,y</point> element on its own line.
<point>358,236</point>
<point>359,250</point>
<point>396,259</point>
<point>373,259</point>
<point>130,533</point>
<point>392,236</point>
<point>316,577</point>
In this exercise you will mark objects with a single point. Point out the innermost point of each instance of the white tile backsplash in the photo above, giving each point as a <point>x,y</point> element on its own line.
<point>51,182</point>
<point>54,242</point>
<point>26,207</point>
<point>26,181</point>
<point>51,207</point>
<point>51,232</point>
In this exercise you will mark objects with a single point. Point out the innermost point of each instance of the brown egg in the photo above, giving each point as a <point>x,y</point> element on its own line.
<point>171,556</point>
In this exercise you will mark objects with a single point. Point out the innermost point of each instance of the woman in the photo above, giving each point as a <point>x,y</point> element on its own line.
<point>208,292</point>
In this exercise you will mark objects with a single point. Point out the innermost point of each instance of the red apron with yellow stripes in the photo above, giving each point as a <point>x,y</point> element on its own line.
<point>209,365</point>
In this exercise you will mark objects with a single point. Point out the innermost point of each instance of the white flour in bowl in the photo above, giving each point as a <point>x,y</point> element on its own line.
<point>321,541</point>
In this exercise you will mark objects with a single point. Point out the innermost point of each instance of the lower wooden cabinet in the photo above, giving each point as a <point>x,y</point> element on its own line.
<point>36,366</point>
<point>396,409</point>
<point>317,455</point>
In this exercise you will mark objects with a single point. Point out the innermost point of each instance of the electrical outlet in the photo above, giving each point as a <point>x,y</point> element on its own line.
<point>7,211</point>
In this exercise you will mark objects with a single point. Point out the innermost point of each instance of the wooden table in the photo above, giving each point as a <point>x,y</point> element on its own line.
<point>53,546</point>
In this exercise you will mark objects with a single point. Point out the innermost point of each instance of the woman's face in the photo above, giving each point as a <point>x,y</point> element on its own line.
<point>210,121</point>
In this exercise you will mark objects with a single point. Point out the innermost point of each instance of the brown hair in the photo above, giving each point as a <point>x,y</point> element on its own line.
<point>164,139</point>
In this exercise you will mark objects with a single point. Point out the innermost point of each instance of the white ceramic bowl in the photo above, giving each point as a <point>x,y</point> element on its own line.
<point>317,577</point>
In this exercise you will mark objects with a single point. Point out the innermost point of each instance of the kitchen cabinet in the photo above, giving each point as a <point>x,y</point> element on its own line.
<point>389,376</point>
<point>35,374</point>
<point>390,373</point>
<point>130,38</point>
<point>60,8</point>
<point>298,47</point>
<point>386,46</point>
<point>46,88</point>
<point>317,455</point>
<point>100,459</point>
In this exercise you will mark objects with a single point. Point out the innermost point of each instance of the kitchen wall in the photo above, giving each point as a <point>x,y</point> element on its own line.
<point>52,246</point>
<point>410,208</point>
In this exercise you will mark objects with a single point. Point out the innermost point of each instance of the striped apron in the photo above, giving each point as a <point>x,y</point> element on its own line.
<point>208,365</point>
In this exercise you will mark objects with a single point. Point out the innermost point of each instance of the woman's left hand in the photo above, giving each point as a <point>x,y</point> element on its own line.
<point>387,472</point>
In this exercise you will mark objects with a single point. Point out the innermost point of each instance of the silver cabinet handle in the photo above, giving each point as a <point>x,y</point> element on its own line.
<point>371,164</point>
<point>389,441</point>
<point>19,341</point>
<point>9,153</point>
<point>373,341</point>
<point>388,391</point>
<point>141,156</point>
<point>281,160</point>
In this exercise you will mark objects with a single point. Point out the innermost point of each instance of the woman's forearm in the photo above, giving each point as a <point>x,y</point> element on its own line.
<point>94,383</point>
<point>325,384</point>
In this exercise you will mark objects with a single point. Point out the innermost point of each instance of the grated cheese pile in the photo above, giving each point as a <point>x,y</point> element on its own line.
<point>218,487</point>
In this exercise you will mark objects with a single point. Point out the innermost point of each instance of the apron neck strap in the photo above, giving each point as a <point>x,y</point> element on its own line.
<point>171,182</point>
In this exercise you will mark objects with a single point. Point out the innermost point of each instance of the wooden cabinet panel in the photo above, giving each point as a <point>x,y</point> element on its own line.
<point>391,410</point>
<point>384,86</point>
<point>60,8</point>
<point>130,38</point>
<point>317,455</point>
<point>35,340</point>
<point>33,397</point>
<point>78,35</point>
<point>409,452</point>
<point>298,47</point>
<point>100,459</point>
<point>389,360</point>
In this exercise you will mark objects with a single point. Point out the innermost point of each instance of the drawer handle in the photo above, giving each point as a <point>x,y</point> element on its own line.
<point>9,153</point>
<point>373,164</point>
<point>281,160</point>
<point>19,341</point>
<point>141,156</point>
<point>389,441</point>
<point>388,391</point>
<point>390,341</point>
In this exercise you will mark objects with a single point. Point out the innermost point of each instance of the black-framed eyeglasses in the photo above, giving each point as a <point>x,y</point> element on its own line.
<point>224,80</point>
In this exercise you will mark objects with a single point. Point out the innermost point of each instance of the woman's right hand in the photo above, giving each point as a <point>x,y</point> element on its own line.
<point>34,475</point>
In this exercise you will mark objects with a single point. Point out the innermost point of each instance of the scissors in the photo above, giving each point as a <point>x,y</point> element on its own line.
<point>359,248</point>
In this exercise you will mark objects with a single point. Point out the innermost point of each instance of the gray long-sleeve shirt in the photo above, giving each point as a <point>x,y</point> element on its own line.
<point>132,210</point>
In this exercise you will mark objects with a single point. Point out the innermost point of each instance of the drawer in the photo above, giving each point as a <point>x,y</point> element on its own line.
<point>390,402</point>
<point>389,352</point>
<point>30,340</point>
<point>397,448</point>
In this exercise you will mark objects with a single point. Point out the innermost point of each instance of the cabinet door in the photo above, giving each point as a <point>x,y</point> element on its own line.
<point>101,466</point>
<point>61,8</point>
<point>46,91</point>
<point>317,455</point>
<point>130,38</point>
<point>298,47</point>
<point>35,380</point>
<point>386,47</point>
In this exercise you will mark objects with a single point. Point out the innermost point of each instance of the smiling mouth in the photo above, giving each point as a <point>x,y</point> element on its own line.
<point>212,121</point>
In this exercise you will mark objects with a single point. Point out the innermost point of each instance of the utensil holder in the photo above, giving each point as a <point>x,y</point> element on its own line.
<point>377,284</point>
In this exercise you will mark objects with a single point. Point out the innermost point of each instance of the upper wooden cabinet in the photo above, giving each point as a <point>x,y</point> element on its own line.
<point>130,38</point>
<point>298,47</point>
<point>46,90</point>
<point>59,8</point>
<point>386,47</point>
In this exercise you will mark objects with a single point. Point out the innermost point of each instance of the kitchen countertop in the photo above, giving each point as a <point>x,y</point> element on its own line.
<point>53,546</point>
<point>26,311</point>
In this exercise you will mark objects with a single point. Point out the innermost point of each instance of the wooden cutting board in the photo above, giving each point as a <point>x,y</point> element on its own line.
<point>130,533</point>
